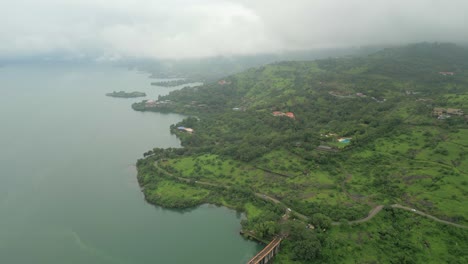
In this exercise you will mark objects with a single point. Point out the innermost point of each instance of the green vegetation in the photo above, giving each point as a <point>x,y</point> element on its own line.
<point>244,157</point>
<point>123,94</point>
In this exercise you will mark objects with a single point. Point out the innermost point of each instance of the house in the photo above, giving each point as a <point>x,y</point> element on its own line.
<point>329,135</point>
<point>151,103</point>
<point>454,111</point>
<point>223,82</point>
<point>438,111</point>
<point>361,95</point>
<point>325,148</point>
<point>290,115</point>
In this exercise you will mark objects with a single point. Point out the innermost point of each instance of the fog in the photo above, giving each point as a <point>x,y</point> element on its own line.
<point>113,29</point>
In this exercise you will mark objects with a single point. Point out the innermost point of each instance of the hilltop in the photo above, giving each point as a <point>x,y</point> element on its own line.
<point>331,139</point>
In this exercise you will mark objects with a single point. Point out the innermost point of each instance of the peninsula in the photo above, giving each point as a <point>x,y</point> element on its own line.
<point>123,94</point>
<point>342,160</point>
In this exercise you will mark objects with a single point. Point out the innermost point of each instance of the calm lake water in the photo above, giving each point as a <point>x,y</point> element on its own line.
<point>68,189</point>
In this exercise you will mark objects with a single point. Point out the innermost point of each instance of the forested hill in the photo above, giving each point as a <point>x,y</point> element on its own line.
<point>410,62</point>
<point>330,139</point>
<point>351,97</point>
<point>288,84</point>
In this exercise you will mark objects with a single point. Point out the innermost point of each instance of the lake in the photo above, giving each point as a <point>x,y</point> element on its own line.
<point>68,189</point>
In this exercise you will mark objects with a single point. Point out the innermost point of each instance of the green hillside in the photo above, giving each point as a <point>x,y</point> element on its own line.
<point>331,139</point>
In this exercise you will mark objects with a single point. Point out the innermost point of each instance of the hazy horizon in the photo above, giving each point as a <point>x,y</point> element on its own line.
<point>107,30</point>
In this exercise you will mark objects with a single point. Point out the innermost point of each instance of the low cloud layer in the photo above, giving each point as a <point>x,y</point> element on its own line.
<point>111,29</point>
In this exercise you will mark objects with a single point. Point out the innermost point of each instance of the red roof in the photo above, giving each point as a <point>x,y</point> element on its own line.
<point>290,115</point>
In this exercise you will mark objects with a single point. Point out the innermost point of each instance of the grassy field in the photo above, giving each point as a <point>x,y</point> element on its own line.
<point>431,172</point>
<point>416,238</point>
<point>431,175</point>
<point>172,193</point>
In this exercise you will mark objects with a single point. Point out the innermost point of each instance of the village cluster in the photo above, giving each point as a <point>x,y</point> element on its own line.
<point>153,103</point>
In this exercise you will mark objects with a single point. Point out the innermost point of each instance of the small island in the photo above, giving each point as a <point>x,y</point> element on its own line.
<point>123,94</point>
<point>172,83</point>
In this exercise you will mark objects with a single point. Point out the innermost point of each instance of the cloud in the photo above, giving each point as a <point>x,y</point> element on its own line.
<point>198,28</point>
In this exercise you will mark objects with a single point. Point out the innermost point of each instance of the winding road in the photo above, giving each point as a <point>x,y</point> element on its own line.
<point>371,214</point>
<point>428,216</point>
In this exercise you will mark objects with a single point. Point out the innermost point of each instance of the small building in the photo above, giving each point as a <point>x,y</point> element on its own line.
<point>290,115</point>
<point>454,111</point>
<point>325,148</point>
<point>223,82</point>
<point>151,103</point>
<point>438,111</point>
<point>186,129</point>
<point>447,73</point>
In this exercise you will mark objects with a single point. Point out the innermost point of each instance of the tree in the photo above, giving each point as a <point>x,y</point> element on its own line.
<point>307,250</point>
<point>266,229</point>
<point>321,221</point>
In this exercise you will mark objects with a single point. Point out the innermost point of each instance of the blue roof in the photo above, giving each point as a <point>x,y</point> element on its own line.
<point>181,128</point>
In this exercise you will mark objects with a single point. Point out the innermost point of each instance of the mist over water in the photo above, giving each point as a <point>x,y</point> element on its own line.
<point>68,189</point>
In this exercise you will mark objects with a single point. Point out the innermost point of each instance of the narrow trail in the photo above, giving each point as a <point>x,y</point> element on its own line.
<point>369,217</point>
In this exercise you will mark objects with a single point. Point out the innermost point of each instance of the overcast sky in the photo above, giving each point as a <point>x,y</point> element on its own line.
<point>197,28</point>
